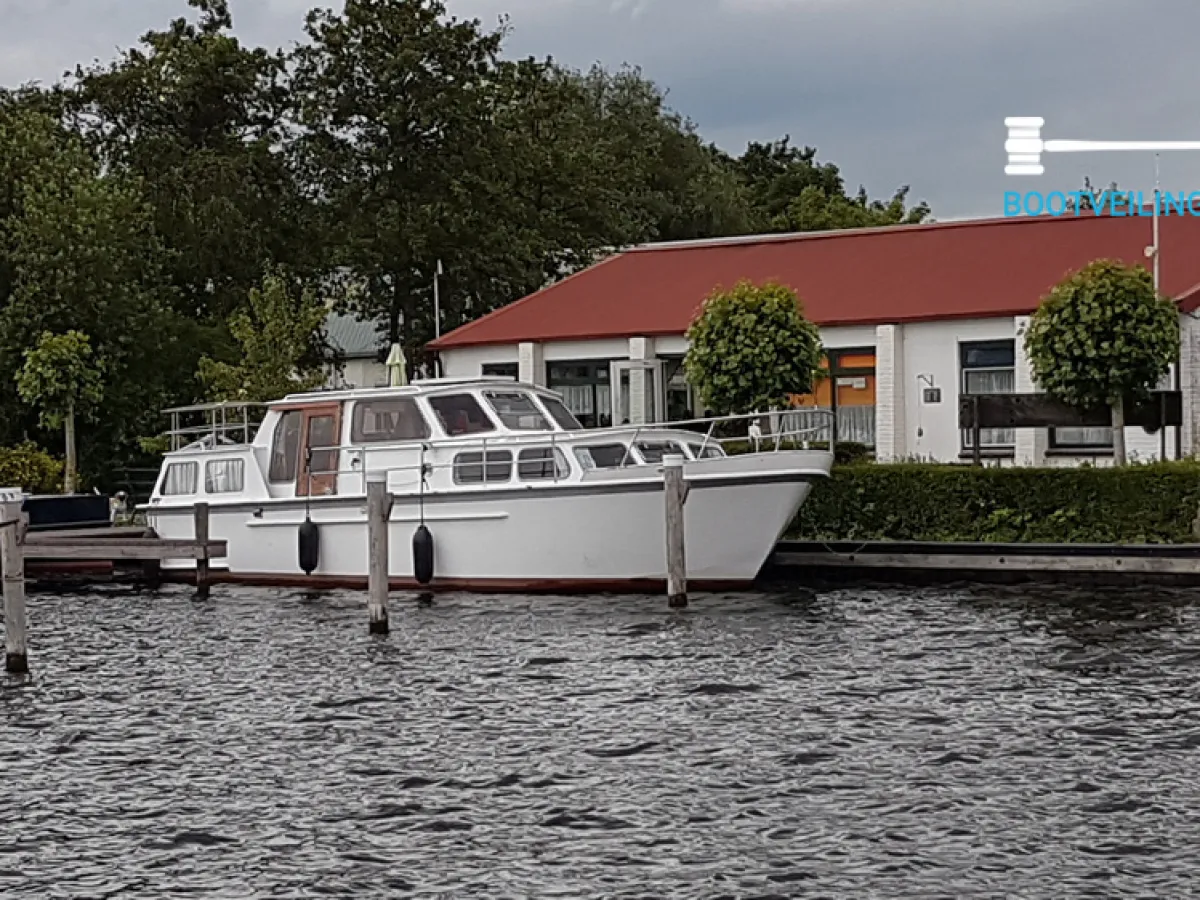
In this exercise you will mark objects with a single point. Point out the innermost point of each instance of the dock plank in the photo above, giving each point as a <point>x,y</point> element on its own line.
<point>41,547</point>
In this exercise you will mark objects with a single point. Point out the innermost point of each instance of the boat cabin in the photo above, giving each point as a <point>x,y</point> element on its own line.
<point>437,435</point>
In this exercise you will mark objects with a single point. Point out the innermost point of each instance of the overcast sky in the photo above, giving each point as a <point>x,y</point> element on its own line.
<point>893,91</point>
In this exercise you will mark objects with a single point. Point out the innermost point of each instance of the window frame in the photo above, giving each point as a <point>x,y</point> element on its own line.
<point>480,407</point>
<point>964,347</point>
<point>362,405</point>
<point>535,408</point>
<point>556,459</point>
<point>626,454</point>
<point>237,465</point>
<point>485,466</point>
<point>501,370</point>
<point>294,464</point>
<point>185,465</point>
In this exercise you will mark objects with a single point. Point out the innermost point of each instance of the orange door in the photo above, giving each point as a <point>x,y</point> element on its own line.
<point>319,436</point>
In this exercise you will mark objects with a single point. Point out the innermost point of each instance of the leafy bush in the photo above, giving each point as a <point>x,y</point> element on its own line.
<point>1155,504</point>
<point>750,349</point>
<point>30,468</point>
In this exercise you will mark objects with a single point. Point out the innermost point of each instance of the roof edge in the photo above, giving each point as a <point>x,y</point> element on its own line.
<point>448,340</point>
<point>790,236</point>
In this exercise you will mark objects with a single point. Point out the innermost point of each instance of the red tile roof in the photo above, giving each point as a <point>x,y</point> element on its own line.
<point>973,269</point>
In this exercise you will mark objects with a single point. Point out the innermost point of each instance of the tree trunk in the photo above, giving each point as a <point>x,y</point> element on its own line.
<point>1118,421</point>
<point>69,474</point>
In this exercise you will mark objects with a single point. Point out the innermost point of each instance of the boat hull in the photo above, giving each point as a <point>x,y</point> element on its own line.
<point>603,536</point>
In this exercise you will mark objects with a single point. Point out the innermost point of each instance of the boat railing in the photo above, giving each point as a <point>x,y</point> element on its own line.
<point>775,440</point>
<point>221,424</point>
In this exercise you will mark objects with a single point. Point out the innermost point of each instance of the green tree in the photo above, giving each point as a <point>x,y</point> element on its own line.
<point>276,334</point>
<point>1103,335</point>
<point>200,120</point>
<point>750,349</point>
<point>789,190</point>
<point>62,379</point>
<point>396,104</point>
<point>78,252</point>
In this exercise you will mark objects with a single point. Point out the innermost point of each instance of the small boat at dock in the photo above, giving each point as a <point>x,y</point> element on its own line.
<point>516,494</point>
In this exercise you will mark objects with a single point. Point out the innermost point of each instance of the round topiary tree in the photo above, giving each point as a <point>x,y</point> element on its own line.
<point>1103,335</point>
<point>750,349</point>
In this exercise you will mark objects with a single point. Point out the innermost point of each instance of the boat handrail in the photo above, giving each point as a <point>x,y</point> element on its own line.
<point>594,435</point>
<point>552,439</point>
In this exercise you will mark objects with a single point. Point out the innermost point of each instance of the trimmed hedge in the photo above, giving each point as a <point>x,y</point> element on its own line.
<point>30,468</point>
<point>1154,504</point>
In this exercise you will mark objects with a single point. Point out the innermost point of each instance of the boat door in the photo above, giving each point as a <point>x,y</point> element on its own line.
<point>638,393</point>
<point>320,431</point>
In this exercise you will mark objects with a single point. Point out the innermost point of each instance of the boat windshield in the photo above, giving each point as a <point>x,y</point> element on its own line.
<point>517,411</point>
<point>561,415</point>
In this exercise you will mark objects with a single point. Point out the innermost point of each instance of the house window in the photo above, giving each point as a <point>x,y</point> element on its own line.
<point>461,414</point>
<point>224,476</point>
<point>585,389</point>
<point>502,370</point>
<point>387,421</point>
<point>469,468</point>
<point>180,479</point>
<point>285,448</point>
<point>681,400</point>
<point>989,367</point>
<point>541,464</point>
<point>845,385</point>
<point>1088,440</point>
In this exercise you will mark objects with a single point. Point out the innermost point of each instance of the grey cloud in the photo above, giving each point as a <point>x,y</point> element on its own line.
<point>911,92</point>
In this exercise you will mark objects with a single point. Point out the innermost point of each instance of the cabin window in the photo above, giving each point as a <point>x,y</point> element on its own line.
<point>542,464</point>
<point>461,414</point>
<point>180,478</point>
<point>469,468</point>
<point>517,411</point>
<point>654,451</point>
<point>387,421</point>
<point>285,447</point>
<point>706,451</point>
<point>603,456</point>
<point>224,476</point>
<point>560,414</point>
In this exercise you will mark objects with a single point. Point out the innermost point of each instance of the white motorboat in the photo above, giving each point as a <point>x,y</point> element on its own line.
<point>516,494</point>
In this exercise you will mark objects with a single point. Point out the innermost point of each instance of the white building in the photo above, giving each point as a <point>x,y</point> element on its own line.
<point>912,317</point>
<point>359,345</point>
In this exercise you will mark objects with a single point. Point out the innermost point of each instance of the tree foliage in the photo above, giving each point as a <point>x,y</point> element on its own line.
<point>1102,335</point>
<point>63,380</point>
<point>62,377</point>
<point>275,334</point>
<point>750,349</point>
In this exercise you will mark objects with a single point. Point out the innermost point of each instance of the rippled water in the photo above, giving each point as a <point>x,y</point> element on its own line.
<point>956,742</point>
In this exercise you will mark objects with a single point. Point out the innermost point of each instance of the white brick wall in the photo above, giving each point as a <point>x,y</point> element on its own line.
<point>890,433</point>
<point>1030,448</point>
<point>531,366</point>
<point>1189,380</point>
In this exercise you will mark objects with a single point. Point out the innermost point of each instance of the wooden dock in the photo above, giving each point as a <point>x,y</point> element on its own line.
<point>79,551</point>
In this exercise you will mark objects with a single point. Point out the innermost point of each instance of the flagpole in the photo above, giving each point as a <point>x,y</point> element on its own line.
<point>1157,203</point>
<point>437,305</point>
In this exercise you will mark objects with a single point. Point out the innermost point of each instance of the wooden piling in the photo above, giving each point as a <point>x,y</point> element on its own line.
<point>675,491</point>
<point>16,656</point>
<point>200,514</point>
<point>378,509</point>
